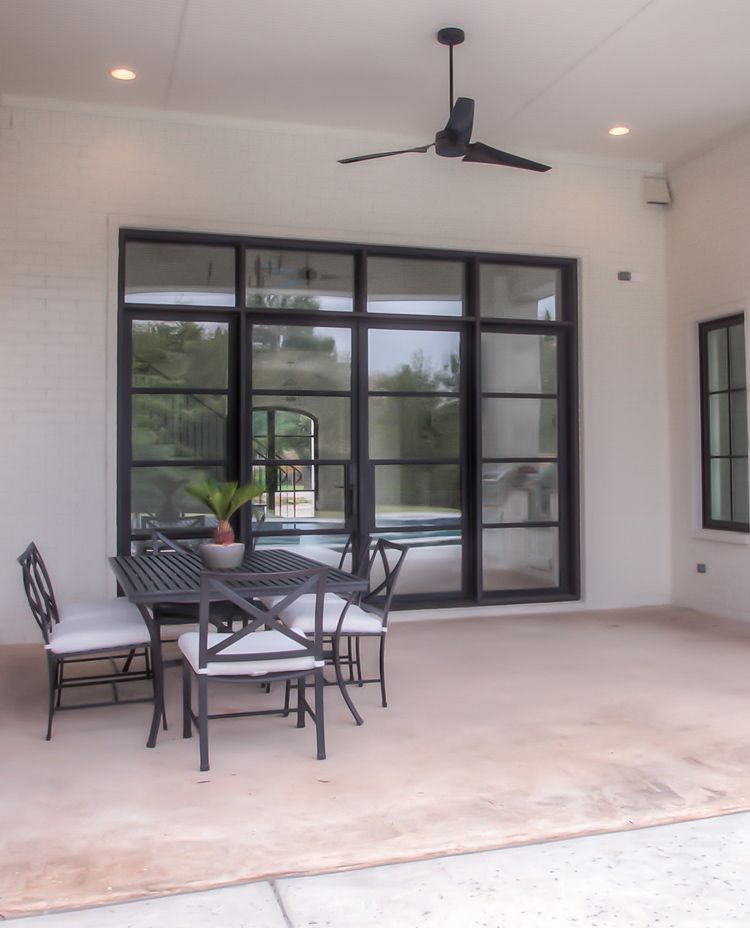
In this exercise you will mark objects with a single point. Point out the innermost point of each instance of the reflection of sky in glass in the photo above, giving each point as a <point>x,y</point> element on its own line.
<point>545,308</point>
<point>390,349</point>
<point>416,307</point>
<point>180,297</point>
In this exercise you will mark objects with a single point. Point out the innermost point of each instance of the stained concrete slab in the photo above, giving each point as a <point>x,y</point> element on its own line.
<point>691,875</point>
<point>498,732</point>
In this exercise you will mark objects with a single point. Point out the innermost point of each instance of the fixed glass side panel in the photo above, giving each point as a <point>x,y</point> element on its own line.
<point>413,360</point>
<point>301,496</point>
<point>519,363</point>
<point>299,280</point>
<point>740,509</point>
<point>717,359</point>
<point>179,425</point>
<point>520,558</point>
<point>173,274</point>
<point>515,292</point>
<point>414,494</point>
<point>721,490</point>
<point>179,354</point>
<point>294,357</point>
<point>433,562</point>
<point>519,427</point>
<point>737,372</point>
<point>158,497</point>
<point>415,286</point>
<point>414,427</point>
<point>519,492</point>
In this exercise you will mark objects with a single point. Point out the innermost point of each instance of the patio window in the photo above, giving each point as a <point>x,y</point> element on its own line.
<point>724,424</point>
<point>423,396</point>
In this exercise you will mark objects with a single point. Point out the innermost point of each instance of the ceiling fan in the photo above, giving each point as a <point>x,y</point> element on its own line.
<point>454,141</point>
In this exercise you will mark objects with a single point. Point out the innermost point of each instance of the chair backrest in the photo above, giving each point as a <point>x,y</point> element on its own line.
<point>39,592</point>
<point>215,585</point>
<point>380,595</point>
<point>257,518</point>
<point>161,544</point>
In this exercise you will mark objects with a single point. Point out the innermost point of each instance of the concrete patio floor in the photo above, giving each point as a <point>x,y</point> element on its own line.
<point>498,733</point>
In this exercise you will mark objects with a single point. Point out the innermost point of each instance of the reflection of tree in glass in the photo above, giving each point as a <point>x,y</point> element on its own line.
<point>298,357</point>
<point>175,354</point>
<point>428,426</point>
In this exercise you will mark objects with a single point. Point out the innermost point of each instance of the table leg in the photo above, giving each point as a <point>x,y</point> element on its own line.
<point>158,671</point>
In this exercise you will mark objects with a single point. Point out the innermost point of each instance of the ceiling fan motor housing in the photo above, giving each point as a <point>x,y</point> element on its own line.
<point>449,144</point>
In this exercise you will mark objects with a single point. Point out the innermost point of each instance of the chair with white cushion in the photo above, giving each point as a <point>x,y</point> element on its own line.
<point>83,633</point>
<point>363,615</point>
<point>265,649</point>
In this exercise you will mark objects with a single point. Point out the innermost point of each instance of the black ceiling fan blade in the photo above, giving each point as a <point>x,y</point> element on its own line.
<point>385,154</point>
<point>461,119</point>
<point>480,153</point>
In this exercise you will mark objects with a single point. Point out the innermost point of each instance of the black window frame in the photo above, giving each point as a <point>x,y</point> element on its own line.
<point>704,330</point>
<point>470,324</point>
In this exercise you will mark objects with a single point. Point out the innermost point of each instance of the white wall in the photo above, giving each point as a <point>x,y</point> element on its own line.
<point>68,179</point>
<point>708,269</point>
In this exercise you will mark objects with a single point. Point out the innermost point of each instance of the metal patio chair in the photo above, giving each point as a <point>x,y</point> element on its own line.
<point>84,633</point>
<point>364,615</point>
<point>262,651</point>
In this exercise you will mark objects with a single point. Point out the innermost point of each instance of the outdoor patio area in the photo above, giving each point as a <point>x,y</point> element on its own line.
<point>497,733</point>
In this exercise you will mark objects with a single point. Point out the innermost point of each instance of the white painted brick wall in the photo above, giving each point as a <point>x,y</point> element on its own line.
<point>708,274</point>
<point>67,178</point>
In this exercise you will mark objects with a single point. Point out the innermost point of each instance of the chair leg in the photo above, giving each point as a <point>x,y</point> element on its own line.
<point>129,661</point>
<point>187,724</point>
<point>287,693</point>
<point>300,702</point>
<point>59,682</point>
<point>52,671</point>
<point>320,730</point>
<point>340,680</point>
<point>203,721</point>
<point>359,663</point>
<point>382,671</point>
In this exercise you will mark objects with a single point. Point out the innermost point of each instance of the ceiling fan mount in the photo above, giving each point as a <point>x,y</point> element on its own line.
<point>454,141</point>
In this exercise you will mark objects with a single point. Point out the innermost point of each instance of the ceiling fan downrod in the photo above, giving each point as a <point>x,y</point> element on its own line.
<point>450,36</point>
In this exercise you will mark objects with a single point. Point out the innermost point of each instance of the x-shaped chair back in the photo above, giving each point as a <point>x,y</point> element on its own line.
<point>38,588</point>
<point>160,543</point>
<point>378,598</point>
<point>215,585</point>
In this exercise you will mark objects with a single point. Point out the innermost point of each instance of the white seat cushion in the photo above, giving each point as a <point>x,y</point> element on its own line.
<point>101,630</point>
<point>253,643</point>
<point>301,616</point>
<point>104,608</point>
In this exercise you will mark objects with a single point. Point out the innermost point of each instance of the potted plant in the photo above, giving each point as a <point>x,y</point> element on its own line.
<point>223,499</point>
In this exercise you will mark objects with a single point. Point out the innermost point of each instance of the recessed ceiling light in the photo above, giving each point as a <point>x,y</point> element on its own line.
<point>122,74</point>
<point>619,130</point>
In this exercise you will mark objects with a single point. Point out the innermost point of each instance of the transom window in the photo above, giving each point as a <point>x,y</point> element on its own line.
<point>420,395</point>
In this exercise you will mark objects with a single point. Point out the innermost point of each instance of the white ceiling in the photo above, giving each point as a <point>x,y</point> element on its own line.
<point>547,75</point>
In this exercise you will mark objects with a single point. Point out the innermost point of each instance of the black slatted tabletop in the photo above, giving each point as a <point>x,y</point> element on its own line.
<point>171,577</point>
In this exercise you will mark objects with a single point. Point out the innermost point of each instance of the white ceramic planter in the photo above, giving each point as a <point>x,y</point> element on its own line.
<point>222,557</point>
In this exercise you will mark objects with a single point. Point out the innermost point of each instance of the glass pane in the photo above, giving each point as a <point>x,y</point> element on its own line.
<point>737,356</point>
<point>144,545</point>
<point>416,286</point>
<point>509,292</point>
<point>414,360</point>
<point>299,280</point>
<point>301,427</point>
<point>717,359</point>
<point>519,493</point>
<point>413,494</point>
<point>718,423</point>
<point>432,565</point>
<point>180,354</point>
<point>301,495</point>
<point>158,497</point>
<point>520,558</point>
<point>296,357</point>
<point>327,549</point>
<point>739,490</point>
<point>738,403</point>
<point>183,275</point>
<point>519,428</point>
<point>519,363</point>
<point>167,425</point>
<point>414,427</point>
<point>721,505</point>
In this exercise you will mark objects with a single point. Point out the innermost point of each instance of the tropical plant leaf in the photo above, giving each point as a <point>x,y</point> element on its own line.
<point>243,495</point>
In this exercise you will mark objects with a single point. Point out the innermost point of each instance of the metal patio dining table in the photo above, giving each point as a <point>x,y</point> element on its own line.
<point>171,577</point>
